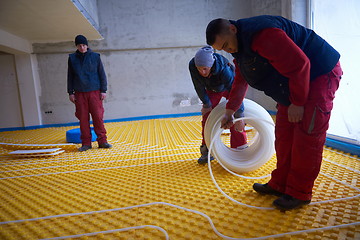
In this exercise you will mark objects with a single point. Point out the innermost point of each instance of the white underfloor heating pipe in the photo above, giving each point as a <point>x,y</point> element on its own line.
<point>250,157</point>
<point>246,158</point>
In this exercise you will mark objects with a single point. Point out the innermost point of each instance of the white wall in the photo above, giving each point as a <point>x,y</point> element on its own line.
<point>10,109</point>
<point>19,101</point>
<point>13,44</point>
<point>29,88</point>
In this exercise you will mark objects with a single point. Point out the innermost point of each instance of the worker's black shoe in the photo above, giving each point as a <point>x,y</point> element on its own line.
<point>204,155</point>
<point>287,202</point>
<point>84,148</point>
<point>266,189</point>
<point>204,159</point>
<point>105,145</point>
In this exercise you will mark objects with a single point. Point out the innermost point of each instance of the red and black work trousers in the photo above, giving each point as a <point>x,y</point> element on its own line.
<point>90,103</point>
<point>236,138</point>
<point>299,146</point>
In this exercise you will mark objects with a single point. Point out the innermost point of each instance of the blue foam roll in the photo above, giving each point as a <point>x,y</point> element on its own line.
<point>73,135</point>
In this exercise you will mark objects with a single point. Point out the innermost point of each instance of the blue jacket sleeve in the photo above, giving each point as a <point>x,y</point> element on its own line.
<point>70,78</point>
<point>227,76</point>
<point>102,76</point>
<point>240,112</point>
<point>199,86</point>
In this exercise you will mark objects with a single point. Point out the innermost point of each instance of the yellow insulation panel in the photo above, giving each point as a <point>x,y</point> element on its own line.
<point>149,186</point>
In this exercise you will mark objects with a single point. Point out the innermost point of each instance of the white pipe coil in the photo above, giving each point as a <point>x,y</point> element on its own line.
<point>246,158</point>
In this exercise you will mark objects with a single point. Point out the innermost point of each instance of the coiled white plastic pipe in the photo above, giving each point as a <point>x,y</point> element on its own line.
<point>258,151</point>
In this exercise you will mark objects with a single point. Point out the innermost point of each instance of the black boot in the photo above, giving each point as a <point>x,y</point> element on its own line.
<point>84,148</point>
<point>105,145</point>
<point>204,155</point>
<point>287,202</point>
<point>266,189</point>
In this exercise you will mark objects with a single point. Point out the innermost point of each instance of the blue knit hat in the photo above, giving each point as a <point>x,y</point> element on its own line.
<point>80,39</point>
<point>204,57</point>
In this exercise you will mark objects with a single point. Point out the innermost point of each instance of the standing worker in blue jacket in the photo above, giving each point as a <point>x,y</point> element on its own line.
<point>87,85</point>
<point>212,76</point>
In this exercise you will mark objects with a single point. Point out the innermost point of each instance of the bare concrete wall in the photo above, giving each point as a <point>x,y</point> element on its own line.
<point>10,107</point>
<point>146,49</point>
<point>300,12</point>
<point>91,8</point>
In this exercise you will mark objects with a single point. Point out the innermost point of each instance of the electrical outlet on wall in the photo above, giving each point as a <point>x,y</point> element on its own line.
<point>185,103</point>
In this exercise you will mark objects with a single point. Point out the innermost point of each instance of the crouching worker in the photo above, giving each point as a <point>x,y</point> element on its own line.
<point>87,85</point>
<point>212,76</point>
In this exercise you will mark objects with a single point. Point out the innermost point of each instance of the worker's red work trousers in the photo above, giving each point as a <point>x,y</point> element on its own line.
<point>90,103</point>
<point>299,146</point>
<point>236,138</point>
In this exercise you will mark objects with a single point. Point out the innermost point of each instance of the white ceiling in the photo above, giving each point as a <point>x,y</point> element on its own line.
<point>45,20</point>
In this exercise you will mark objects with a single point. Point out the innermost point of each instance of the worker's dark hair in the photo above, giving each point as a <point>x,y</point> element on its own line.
<point>214,28</point>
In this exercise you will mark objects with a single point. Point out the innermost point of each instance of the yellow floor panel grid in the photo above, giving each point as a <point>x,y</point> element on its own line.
<point>149,186</point>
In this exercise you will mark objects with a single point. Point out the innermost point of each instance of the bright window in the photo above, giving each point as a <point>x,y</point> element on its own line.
<point>338,22</point>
